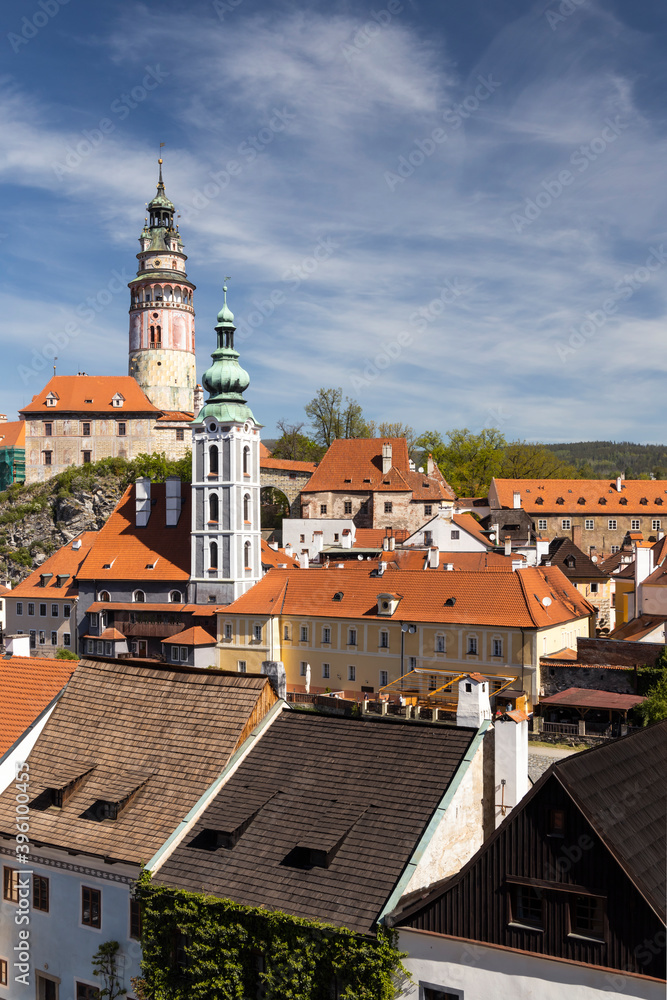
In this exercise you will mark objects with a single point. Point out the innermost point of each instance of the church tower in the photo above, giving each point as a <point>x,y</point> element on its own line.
<point>162,317</point>
<point>226,528</point>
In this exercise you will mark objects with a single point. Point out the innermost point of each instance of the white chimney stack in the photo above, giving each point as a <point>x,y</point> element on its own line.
<point>386,458</point>
<point>173,500</point>
<point>511,761</point>
<point>288,549</point>
<point>346,540</point>
<point>619,484</point>
<point>517,500</point>
<point>430,466</point>
<point>508,545</point>
<point>274,546</point>
<point>142,501</point>
<point>473,705</point>
<point>76,544</point>
<point>381,568</point>
<point>17,645</point>
<point>392,543</point>
<point>434,557</point>
<point>385,544</point>
<point>303,559</point>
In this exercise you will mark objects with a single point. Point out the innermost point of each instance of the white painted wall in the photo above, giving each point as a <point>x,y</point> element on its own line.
<point>441,527</point>
<point>511,764</point>
<point>295,527</point>
<point>477,972</point>
<point>20,751</point>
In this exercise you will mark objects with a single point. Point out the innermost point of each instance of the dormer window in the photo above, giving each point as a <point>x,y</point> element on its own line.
<point>118,399</point>
<point>387,604</point>
<point>52,399</point>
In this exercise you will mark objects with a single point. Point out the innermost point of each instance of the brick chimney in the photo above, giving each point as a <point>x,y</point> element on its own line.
<point>576,535</point>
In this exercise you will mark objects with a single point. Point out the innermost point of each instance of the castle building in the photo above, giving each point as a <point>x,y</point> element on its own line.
<point>226,527</point>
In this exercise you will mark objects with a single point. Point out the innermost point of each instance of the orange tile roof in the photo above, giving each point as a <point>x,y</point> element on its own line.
<point>128,550</point>
<point>493,598</point>
<point>274,557</point>
<point>66,560</point>
<point>12,434</point>
<point>195,636</point>
<point>264,451</point>
<point>562,654</point>
<point>371,538</point>
<point>415,559</point>
<point>28,684</point>
<point>473,527</point>
<point>637,628</point>
<point>592,491</point>
<point>112,634</point>
<point>91,394</point>
<point>178,415</point>
<point>356,465</point>
<point>285,464</point>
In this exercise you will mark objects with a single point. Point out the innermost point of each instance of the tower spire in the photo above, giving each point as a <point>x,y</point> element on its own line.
<point>225,381</point>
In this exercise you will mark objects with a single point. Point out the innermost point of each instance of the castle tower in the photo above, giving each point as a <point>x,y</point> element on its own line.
<point>226,528</point>
<point>162,317</point>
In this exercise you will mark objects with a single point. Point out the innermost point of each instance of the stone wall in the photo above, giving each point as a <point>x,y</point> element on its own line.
<point>619,652</point>
<point>556,678</point>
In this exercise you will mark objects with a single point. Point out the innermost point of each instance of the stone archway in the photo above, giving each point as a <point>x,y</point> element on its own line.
<point>290,482</point>
<point>274,506</point>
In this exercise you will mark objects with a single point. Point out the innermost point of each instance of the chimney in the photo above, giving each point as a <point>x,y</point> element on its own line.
<point>619,483</point>
<point>381,568</point>
<point>643,568</point>
<point>473,705</point>
<point>516,497</point>
<point>386,458</point>
<point>385,544</point>
<point>275,671</point>
<point>274,546</point>
<point>542,549</point>
<point>449,567</point>
<point>511,761</point>
<point>142,501</point>
<point>76,544</point>
<point>434,557</point>
<point>198,399</point>
<point>303,559</point>
<point>288,549</point>
<point>346,539</point>
<point>17,645</point>
<point>392,543</point>
<point>430,465</point>
<point>173,499</point>
<point>576,535</point>
<point>508,545</point>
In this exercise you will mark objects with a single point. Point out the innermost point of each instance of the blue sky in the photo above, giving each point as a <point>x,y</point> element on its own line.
<point>455,211</point>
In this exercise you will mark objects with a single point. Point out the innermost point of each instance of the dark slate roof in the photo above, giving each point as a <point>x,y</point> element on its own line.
<point>562,548</point>
<point>621,790</point>
<point>318,781</point>
<point>160,735</point>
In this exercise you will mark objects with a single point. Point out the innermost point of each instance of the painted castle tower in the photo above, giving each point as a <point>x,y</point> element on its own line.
<point>162,317</point>
<point>226,529</point>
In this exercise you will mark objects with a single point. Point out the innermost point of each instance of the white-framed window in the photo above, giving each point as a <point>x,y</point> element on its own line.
<point>175,654</point>
<point>67,638</point>
<point>303,667</point>
<point>139,597</point>
<point>91,645</point>
<point>589,524</point>
<point>440,643</point>
<point>595,587</point>
<point>326,671</point>
<point>612,524</point>
<point>428,992</point>
<point>107,649</point>
<point>352,637</point>
<point>54,610</point>
<point>384,639</point>
<point>566,523</point>
<point>42,638</point>
<point>19,607</point>
<point>31,608</point>
<point>286,633</point>
<point>614,549</point>
<point>471,645</point>
<point>497,647</point>
<point>326,634</point>
<point>351,673</point>
<point>228,631</point>
<point>455,534</point>
<point>635,524</point>
<point>67,610</point>
<point>428,509</point>
<point>542,524</point>
<point>303,633</point>
<point>257,633</point>
<point>184,653</point>
<point>655,524</point>
<point>388,507</point>
<point>33,637</point>
<point>384,678</point>
<point>54,638</point>
<point>242,666</point>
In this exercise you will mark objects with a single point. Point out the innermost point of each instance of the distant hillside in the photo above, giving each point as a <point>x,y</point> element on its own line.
<point>607,459</point>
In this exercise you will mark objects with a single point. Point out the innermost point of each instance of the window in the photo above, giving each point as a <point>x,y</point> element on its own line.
<point>184,653</point>
<point>412,662</point>
<point>566,523</point>
<point>455,534</point>
<point>302,538</point>
<point>121,429</point>
<point>257,633</point>
<point>347,507</point>
<point>326,634</point>
<point>86,992</point>
<point>246,461</point>
<point>587,916</point>
<point>589,524</point>
<point>213,555</point>
<point>556,823</point>
<point>286,633</point>
<point>595,588</point>
<point>213,508</point>
<point>542,524</point>
<point>3,971</point>
<point>303,667</point>
<point>352,637</point>
<point>242,666</point>
<point>67,639</point>
<point>351,673</point>
<point>388,507</point>
<point>526,906</point>
<point>33,637</point>
<point>176,597</point>
<point>323,508</point>
<point>611,524</point>
<point>428,538</point>
<point>303,633</point>
<point>325,671</point>
<point>246,555</point>
<point>135,919</point>
<point>47,457</point>
<point>246,508</point>
<point>19,607</point>
<point>635,524</point>
<point>86,457</point>
<point>614,549</point>
<point>175,655</point>
<point>40,893</point>
<point>384,678</point>
<point>213,460</point>
<point>85,428</point>
<point>47,989</point>
<point>472,645</point>
<point>48,428</point>
<point>42,611</point>
<point>54,610</point>
<point>180,434</point>
<point>91,907</point>
<point>228,631</point>
<point>384,640</point>
<point>435,993</point>
<point>655,524</point>
<point>497,647</point>
<point>10,884</point>
<point>42,637</point>
<point>428,508</point>
<point>54,638</point>
<point>139,597</point>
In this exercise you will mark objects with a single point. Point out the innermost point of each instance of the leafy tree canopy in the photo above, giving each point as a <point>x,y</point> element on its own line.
<point>468,461</point>
<point>296,446</point>
<point>331,418</point>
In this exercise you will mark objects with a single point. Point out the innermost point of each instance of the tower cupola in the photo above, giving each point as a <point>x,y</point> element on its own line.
<point>226,381</point>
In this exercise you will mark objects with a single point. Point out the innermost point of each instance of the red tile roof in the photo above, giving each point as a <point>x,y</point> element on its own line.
<point>91,394</point>
<point>494,598</point>
<point>274,557</point>
<point>353,465</point>
<point>12,434</point>
<point>127,551</point>
<point>473,527</point>
<point>112,635</point>
<point>371,538</point>
<point>284,464</point>
<point>67,560</point>
<point>600,495</point>
<point>637,628</point>
<point>590,698</point>
<point>178,415</point>
<point>27,685</point>
<point>195,636</point>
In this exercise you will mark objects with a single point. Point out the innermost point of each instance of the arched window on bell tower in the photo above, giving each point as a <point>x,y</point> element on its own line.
<point>213,508</point>
<point>246,461</point>
<point>213,460</point>
<point>246,555</point>
<point>246,508</point>
<point>213,555</point>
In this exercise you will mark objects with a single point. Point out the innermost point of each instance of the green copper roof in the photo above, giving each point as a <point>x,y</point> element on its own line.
<point>225,380</point>
<point>160,200</point>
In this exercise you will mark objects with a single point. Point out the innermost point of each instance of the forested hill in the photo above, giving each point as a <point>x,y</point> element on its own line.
<point>602,459</point>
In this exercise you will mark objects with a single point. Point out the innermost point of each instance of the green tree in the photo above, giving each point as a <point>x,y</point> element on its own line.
<point>468,461</point>
<point>66,654</point>
<point>331,419</point>
<point>296,446</point>
<point>386,429</point>
<point>654,709</point>
<point>533,461</point>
